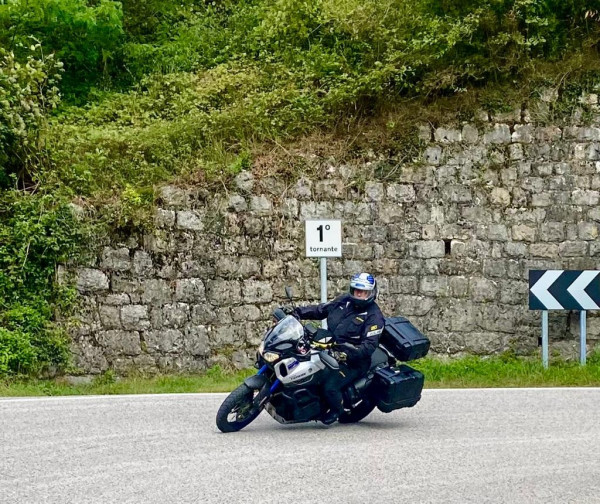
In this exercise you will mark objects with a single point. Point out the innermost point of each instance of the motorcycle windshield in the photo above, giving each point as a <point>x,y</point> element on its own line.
<point>288,329</point>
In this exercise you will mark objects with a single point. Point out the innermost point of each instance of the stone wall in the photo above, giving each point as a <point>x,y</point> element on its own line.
<point>450,238</point>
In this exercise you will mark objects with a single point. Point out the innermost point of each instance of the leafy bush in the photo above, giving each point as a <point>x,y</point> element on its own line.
<point>27,93</point>
<point>394,43</point>
<point>86,36</point>
<point>36,234</point>
<point>17,354</point>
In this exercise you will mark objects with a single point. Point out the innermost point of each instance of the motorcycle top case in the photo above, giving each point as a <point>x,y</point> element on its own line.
<point>399,387</point>
<point>403,340</point>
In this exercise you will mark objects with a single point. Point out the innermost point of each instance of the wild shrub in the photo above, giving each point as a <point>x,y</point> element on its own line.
<point>36,234</point>
<point>85,36</point>
<point>28,92</point>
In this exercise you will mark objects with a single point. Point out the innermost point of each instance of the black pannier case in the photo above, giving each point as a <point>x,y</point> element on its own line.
<point>403,340</point>
<point>399,387</point>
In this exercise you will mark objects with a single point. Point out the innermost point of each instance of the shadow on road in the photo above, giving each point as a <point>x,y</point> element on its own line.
<point>274,427</point>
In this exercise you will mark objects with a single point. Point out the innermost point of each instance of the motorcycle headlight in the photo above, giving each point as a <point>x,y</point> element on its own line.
<point>261,347</point>
<point>270,356</point>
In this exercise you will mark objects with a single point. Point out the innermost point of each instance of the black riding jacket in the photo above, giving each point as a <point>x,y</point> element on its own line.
<point>361,327</point>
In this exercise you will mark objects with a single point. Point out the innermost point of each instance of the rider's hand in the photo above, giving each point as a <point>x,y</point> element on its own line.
<point>349,351</point>
<point>288,310</point>
<point>339,356</point>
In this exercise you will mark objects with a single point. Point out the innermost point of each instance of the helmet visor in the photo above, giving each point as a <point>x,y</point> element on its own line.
<point>361,293</point>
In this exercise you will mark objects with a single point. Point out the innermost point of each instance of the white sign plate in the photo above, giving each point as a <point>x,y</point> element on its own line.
<point>323,238</point>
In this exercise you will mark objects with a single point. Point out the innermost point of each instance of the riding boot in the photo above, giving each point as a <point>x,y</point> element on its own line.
<point>330,417</point>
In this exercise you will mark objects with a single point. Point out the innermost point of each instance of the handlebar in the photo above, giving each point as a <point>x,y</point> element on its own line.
<point>321,346</point>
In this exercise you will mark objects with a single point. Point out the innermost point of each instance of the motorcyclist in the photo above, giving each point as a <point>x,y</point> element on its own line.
<point>356,322</point>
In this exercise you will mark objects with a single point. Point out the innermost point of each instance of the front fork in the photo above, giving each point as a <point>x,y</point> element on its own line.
<point>260,382</point>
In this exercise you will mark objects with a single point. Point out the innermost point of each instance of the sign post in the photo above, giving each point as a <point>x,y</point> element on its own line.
<point>323,268</point>
<point>545,339</point>
<point>582,337</point>
<point>564,290</point>
<point>323,240</point>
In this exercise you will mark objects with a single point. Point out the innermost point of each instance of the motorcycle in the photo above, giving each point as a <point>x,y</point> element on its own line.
<point>293,361</point>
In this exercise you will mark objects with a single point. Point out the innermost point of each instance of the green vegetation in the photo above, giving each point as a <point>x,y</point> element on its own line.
<point>214,380</point>
<point>101,100</point>
<point>470,372</point>
<point>157,89</point>
<point>509,371</point>
<point>36,234</point>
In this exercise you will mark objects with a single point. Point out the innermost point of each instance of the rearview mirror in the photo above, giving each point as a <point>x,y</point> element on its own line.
<point>288,293</point>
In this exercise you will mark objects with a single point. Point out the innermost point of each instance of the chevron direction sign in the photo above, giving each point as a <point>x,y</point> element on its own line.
<point>564,290</point>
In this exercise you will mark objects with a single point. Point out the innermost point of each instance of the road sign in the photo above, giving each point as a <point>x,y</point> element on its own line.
<point>323,238</point>
<point>564,290</point>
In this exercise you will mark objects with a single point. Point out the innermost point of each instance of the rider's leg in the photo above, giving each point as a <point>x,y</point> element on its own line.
<point>332,390</point>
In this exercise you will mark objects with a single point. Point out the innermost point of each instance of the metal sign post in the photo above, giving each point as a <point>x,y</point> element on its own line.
<point>545,339</point>
<point>323,280</point>
<point>564,290</point>
<point>582,337</point>
<point>323,239</point>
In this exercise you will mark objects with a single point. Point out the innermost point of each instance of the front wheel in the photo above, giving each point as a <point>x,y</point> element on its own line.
<point>358,412</point>
<point>238,409</point>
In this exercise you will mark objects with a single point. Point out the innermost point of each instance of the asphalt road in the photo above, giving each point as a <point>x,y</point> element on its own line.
<point>486,445</point>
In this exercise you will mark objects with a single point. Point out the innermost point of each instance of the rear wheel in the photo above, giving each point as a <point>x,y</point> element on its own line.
<point>238,409</point>
<point>358,412</point>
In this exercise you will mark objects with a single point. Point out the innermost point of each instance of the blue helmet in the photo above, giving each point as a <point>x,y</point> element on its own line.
<point>366,282</point>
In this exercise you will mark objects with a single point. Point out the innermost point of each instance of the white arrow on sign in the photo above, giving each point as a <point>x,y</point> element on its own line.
<point>540,289</point>
<point>576,289</point>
